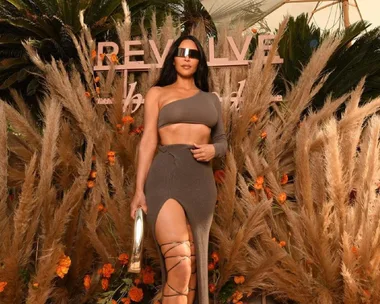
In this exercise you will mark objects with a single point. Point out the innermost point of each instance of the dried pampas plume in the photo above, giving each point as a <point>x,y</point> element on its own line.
<point>298,208</point>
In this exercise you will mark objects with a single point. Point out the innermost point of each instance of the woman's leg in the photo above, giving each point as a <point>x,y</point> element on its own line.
<point>173,237</point>
<point>193,278</point>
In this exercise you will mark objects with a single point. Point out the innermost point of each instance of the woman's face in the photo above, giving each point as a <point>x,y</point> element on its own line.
<point>184,64</point>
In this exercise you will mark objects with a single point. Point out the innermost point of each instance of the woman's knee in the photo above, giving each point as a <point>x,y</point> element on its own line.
<point>181,272</point>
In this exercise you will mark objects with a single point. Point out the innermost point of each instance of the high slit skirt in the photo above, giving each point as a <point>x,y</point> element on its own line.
<point>175,173</point>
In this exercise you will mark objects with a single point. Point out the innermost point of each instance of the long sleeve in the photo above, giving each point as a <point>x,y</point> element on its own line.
<point>218,135</point>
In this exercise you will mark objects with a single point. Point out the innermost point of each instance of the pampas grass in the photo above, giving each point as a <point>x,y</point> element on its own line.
<point>297,213</point>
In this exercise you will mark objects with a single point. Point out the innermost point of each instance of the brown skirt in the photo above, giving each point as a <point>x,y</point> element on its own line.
<point>175,173</point>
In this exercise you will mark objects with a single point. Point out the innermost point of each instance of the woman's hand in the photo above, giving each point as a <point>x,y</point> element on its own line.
<point>137,202</point>
<point>203,152</point>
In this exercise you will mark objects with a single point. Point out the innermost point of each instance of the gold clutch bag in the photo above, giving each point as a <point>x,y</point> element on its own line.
<point>138,233</point>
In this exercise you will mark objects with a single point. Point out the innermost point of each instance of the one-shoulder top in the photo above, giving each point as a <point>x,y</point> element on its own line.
<point>201,108</point>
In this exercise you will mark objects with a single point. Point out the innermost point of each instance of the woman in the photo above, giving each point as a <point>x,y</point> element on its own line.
<point>177,189</point>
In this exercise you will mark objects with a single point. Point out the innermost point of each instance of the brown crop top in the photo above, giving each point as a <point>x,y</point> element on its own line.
<point>201,108</point>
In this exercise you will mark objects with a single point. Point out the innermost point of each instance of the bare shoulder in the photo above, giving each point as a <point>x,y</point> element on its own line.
<point>153,95</point>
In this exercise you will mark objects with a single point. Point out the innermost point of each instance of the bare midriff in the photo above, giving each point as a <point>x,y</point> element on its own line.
<point>184,133</point>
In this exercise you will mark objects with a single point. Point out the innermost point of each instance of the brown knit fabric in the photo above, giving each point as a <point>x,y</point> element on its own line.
<point>175,173</point>
<point>202,108</point>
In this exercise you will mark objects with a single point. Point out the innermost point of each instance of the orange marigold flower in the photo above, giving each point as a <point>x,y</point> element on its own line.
<point>211,287</point>
<point>281,197</point>
<point>215,257</point>
<point>136,294</point>
<point>87,282</point>
<point>93,54</point>
<point>239,279</point>
<point>254,118</point>
<point>2,286</point>
<point>61,271</point>
<point>123,258</point>
<point>107,270</point>
<point>111,158</point>
<point>102,56</point>
<point>105,284</point>
<point>282,244</point>
<point>126,300</point>
<point>268,192</point>
<point>127,119</point>
<point>260,180</point>
<point>284,179</point>
<point>87,94</point>
<point>97,90</point>
<point>63,266</point>
<point>147,269</point>
<point>263,135</point>
<point>90,184</point>
<point>139,129</point>
<point>65,261</point>
<point>35,285</point>
<point>97,79</point>
<point>148,277</point>
<point>114,58</point>
<point>237,295</point>
<point>93,174</point>
<point>211,266</point>
<point>101,207</point>
<point>111,153</point>
<point>219,176</point>
<point>114,302</point>
<point>254,30</point>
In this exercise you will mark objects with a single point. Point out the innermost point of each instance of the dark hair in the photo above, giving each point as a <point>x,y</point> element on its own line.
<point>168,73</point>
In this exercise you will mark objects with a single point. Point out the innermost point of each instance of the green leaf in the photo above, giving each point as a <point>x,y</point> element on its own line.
<point>226,291</point>
<point>9,39</point>
<point>8,63</point>
<point>27,25</point>
<point>25,275</point>
<point>22,74</point>
<point>10,81</point>
<point>47,7</point>
<point>32,87</point>
<point>18,4</point>
<point>128,281</point>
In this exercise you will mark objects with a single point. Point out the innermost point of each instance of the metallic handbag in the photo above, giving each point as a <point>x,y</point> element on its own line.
<point>138,233</point>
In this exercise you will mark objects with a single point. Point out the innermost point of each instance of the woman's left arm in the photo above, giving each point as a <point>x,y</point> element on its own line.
<point>218,135</point>
<point>204,152</point>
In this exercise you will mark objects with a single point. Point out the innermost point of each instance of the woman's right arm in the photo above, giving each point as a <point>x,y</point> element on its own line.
<point>147,147</point>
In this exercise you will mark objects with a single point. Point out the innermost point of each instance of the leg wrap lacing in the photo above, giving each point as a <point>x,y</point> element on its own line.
<point>176,244</point>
